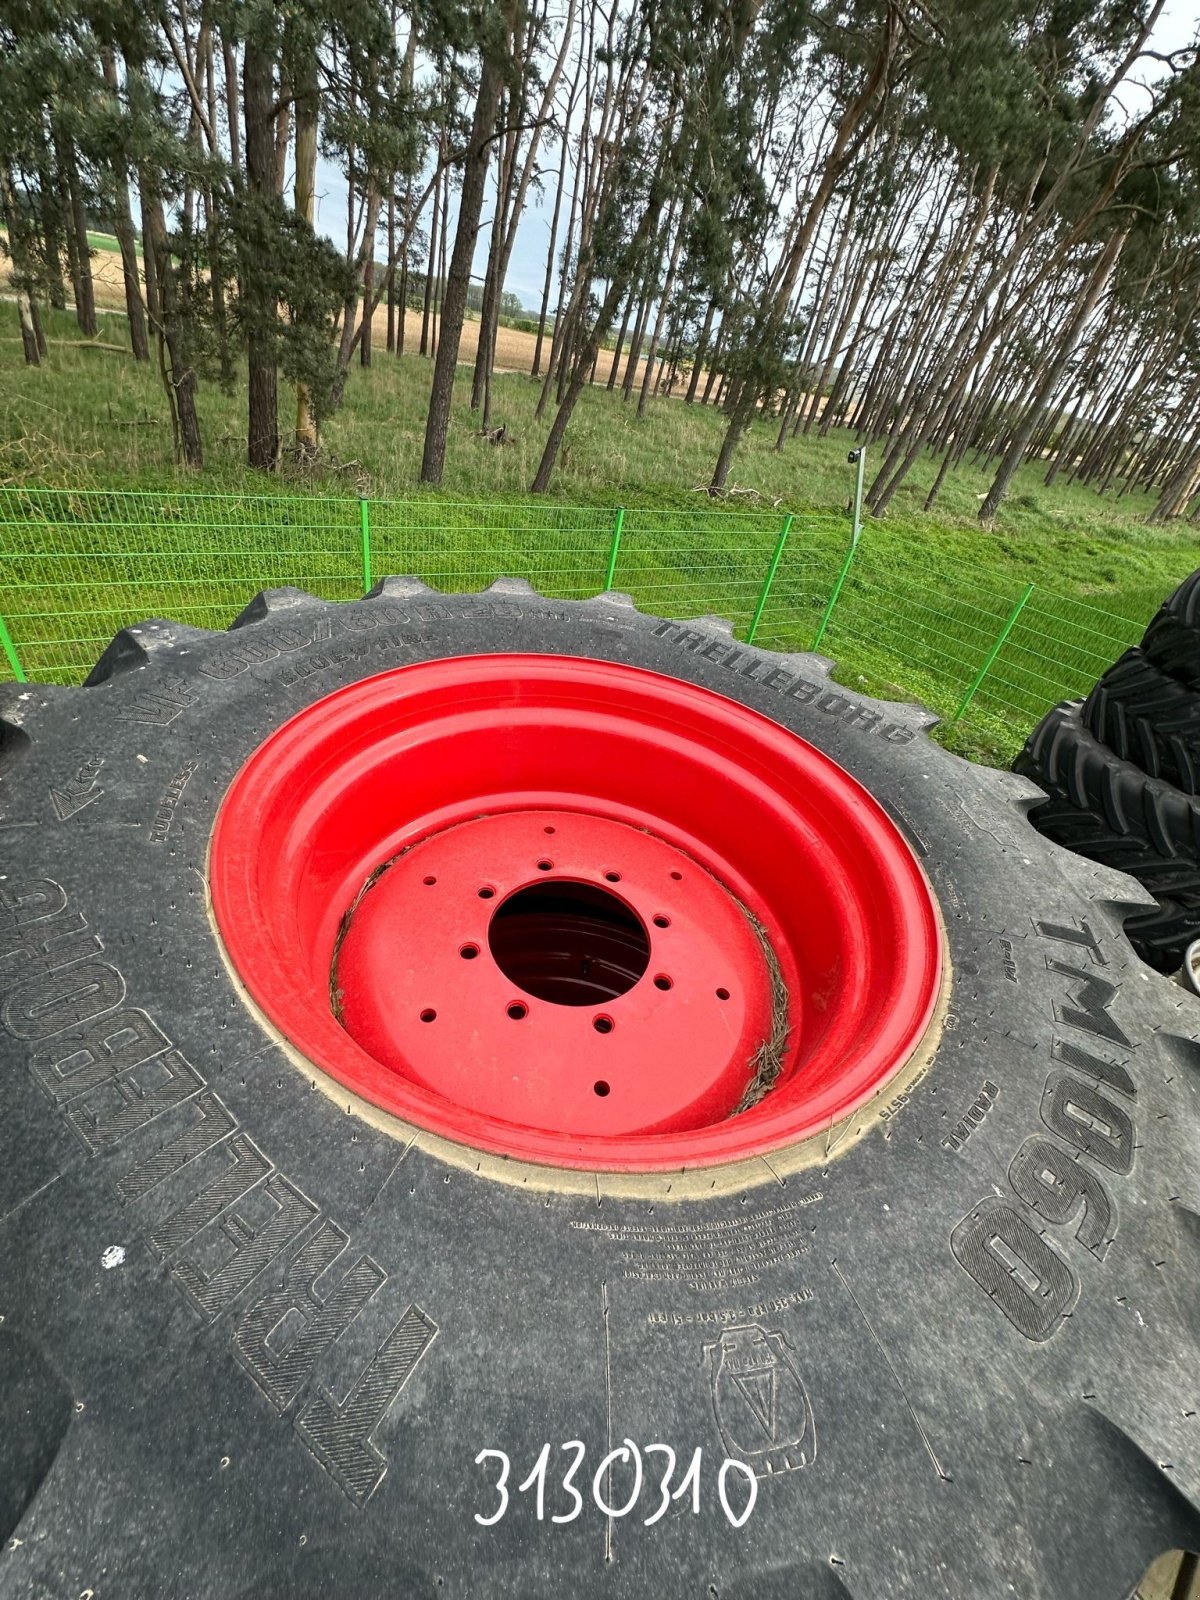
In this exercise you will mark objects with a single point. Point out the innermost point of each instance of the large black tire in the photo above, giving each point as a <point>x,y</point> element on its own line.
<point>1161,933</point>
<point>1146,716</point>
<point>1184,602</point>
<point>1108,810</point>
<point>984,1305</point>
<point>1174,645</point>
<point>1172,640</point>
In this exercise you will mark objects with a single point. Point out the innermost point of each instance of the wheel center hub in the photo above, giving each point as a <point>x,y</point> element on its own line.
<point>561,970</point>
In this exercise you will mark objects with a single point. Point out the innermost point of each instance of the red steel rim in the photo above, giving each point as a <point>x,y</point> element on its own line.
<point>575,913</point>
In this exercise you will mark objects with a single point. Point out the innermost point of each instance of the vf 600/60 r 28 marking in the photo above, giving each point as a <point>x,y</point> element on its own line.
<point>629,1458</point>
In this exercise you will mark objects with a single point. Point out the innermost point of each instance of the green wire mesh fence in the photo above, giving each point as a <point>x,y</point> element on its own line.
<point>987,652</point>
<point>76,566</point>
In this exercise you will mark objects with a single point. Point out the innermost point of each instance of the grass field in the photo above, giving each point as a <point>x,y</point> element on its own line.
<point>514,347</point>
<point>925,598</point>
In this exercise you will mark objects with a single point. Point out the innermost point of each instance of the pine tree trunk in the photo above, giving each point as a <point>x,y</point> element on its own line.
<point>283,135</point>
<point>78,248</point>
<point>178,376</point>
<point>135,310</point>
<point>263,420</point>
<point>1015,454</point>
<point>714,366</point>
<point>123,223</point>
<point>660,320</point>
<point>232,111</point>
<point>440,281</point>
<point>401,326</point>
<point>22,277</point>
<point>149,265</point>
<point>639,333</point>
<point>39,332</point>
<point>489,308</point>
<point>854,119</point>
<point>304,199</point>
<point>1180,486</point>
<point>85,306</point>
<point>368,282</point>
<point>620,344</point>
<point>459,275</point>
<point>52,230</point>
<point>431,260</point>
<point>535,369</point>
<point>701,352</point>
<point>391,270</point>
<point>617,289</point>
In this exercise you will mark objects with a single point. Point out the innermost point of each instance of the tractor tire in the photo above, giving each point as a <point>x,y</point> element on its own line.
<point>1172,640</point>
<point>1162,933</point>
<point>1184,602</point>
<point>1149,718</point>
<point>1173,645</point>
<point>262,1334</point>
<point>1108,810</point>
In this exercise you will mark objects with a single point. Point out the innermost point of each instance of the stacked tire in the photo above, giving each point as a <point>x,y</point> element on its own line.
<point>1121,770</point>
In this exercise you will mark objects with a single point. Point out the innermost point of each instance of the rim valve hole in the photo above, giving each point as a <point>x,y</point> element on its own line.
<point>429,1014</point>
<point>662,981</point>
<point>662,922</point>
<point>516,1010</point>
<point>601,1088</point>
<point>469,952</point>
<point>722,994</point>
<point>602,1024</point>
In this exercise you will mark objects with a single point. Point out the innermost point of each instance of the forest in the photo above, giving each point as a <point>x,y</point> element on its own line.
<point>958,228</point>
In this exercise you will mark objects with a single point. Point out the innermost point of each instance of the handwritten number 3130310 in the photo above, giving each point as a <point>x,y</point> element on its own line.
<point>630,1458</point>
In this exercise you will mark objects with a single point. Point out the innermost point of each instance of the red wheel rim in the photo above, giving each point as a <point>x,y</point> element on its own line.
<point>699,939</point>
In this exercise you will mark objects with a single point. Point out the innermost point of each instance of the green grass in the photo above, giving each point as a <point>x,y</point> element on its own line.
<point>925,598</point>
<point>108,241</point>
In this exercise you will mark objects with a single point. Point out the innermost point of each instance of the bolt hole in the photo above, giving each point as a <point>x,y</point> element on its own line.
<point>486,892</point>
<point>429,1014</point>
<point>602,1024</point>
<point>662,981</point>
<point>544,866</point>
<point>469,952</point>
<point>613,877</point>
<point>430,880</point>
<point>601,1088</point>
<point>662,922</point>
<point>516,1011</point>
<point>722,994</point>
<point>677,876</point>
<point>544,830</point>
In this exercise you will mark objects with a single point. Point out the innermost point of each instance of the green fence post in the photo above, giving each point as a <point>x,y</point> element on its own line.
<point>10,652</point>
<point>858,459</point>
<point>992,654</point>
<point>772,569</point>
<point>364,517</point>
<point>614,547</point>
<point>833,598</point>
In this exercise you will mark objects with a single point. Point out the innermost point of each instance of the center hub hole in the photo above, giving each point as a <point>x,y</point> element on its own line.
<point>573,944</point>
